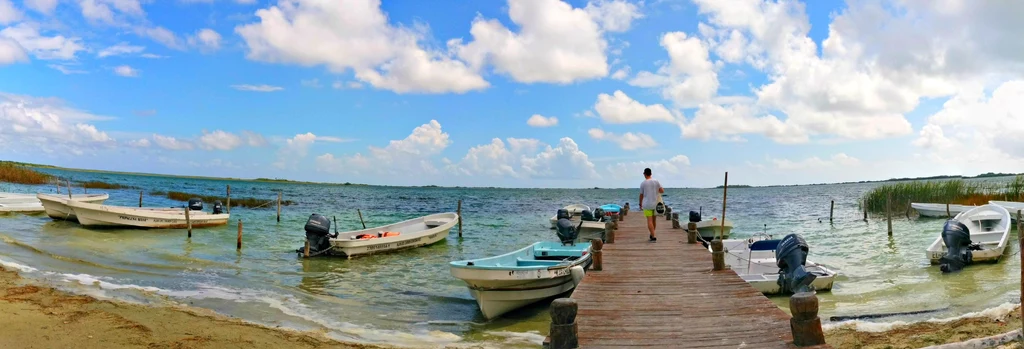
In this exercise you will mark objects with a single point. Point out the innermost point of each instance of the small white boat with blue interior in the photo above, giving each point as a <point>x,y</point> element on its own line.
<point>537,272</point>
<point>938,210</point>
<point>575,213</point>
<point>756,260</point>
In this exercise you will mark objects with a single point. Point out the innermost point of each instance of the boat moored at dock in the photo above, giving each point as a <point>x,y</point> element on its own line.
<point>96,215</point>
<point>56,205</point>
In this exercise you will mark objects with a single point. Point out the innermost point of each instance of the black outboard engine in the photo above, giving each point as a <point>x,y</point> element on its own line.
<point>598,214</point>
<point>195,204</point>
<point>791,255</point>
<point>567,233</point>
<point>957,238</point>
<point>694,216</point>
<point>587,216</point>
<point>318,231</point>
<point>217,207</point>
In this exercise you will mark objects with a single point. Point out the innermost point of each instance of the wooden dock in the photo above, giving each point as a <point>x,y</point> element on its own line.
<point>665,294</point>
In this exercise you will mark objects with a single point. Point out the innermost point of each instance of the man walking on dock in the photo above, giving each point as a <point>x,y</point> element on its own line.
<point>650,190</point>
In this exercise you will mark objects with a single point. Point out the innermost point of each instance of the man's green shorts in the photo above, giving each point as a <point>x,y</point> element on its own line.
<point>648,213</point>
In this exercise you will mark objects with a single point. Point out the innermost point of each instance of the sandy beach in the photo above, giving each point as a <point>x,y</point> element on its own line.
<point>42,317</point>
<point>923,334</point>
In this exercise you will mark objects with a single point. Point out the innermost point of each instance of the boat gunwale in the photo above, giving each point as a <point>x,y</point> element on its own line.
<point>346,243</point>
<point>562,265</point>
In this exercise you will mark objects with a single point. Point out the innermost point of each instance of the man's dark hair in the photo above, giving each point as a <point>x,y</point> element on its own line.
<point>647,172</point>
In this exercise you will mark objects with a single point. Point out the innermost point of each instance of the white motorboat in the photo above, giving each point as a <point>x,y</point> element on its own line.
<point>534,273</point>
<point>978,235</point>
<point>56,206</point>
<point>1011,206</point>
<point>17,199</point>
<point>412,233</point>
<point>22,207</point>
<point>90,214</point>
<point>575,213</point>
<point>938,210</point>
<point>709,229</point>
<point>754,260</point>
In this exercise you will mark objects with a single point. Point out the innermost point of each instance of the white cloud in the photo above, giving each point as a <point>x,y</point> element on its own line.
<point>8,13</point>
<point>171,143</point>
<point>618,108</point>
<point>139,143</point>
<point>675,168</point>
<point>46,124</point>
<point>314,83</point>
<point>206,39</point>
<point>219,140</point>
<point>126,71</point>
<point>728,123</point>
<point>11,52</point>
<point>621,74</point>
<point>107,11</point>
<point>42,47</point>
<point>355,35</point>
<point>257,88</point>
<point>400,157</point>
<point>151,56</point>
<point>42,6</point>
<point>538,120</point>
<point>988,126</point>
<point>563,45</point>
<point>689,78</point>
<point>525,159</point>
<point>815,163</point>
<point>253,139</point>
<point>163,36</point>
<point>626,141</point>
<point>294,149</point>
<point>355,85</point>
<point>120,49</point>
<point>64,69</point>
<point>553,162</point>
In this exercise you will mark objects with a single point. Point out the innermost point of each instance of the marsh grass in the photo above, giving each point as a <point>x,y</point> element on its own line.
<point>12,173</point>
<point>104,185</point>
<point>235,201</point>
<point>954,191</point>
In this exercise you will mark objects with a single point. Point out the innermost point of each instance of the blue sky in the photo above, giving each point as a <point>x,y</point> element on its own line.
<point>415,92</point>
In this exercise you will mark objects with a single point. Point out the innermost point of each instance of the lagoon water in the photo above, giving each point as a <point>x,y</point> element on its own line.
<point>410,299</point>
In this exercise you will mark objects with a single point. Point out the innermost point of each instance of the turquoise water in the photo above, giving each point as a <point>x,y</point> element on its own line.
<point>410,299</point>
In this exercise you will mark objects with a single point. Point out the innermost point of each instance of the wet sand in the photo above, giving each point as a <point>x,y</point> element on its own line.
<point>36,316</point>
<point>923,334</point>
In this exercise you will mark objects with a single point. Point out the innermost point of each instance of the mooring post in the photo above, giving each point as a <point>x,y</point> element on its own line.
<point>609,232</point>
<point>888,211</point>
<point>831,210</point>
<point>68,181</point>
<point>615,224</point>
<point>58,186</point>
<point>229,198</point>
<point>140,198</point>
<point>360,213</point>
<point>865,209</point>
<point>675,220</point>
<point>625,209</point>
<point>947,211</point>
<point>188,222</point>
<point>908,210</point>
<point>805,324</point>
<point>239,247</point>
<point>564,331</point>
<point>458,211</point>
<point>668,213</point>
<point>306,254</point>
<point>691,233</point>
<point>717,254</point>
<point>279,206</point>
<point>596,246</point>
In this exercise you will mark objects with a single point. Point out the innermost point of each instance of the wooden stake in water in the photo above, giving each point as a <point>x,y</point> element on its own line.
<point>307,248</point>
<point>360,213</point>
<point>188,222</point>
<point>725,194</point>
<point>888,211</point>
<point>279,206</point>
<point>58,186</point>
<point>865,210</point>
<point>69,188</point>
<point>831,209</point>
<point>458,211</point>
<point>239,247</point>
<point>947,211</point>
<point>140,198</point>
<point>229,198</point>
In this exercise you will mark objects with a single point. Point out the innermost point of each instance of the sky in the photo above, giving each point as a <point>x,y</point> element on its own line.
<point>517,93</point>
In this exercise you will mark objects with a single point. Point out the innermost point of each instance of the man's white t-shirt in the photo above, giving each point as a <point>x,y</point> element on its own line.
<point>649,187</point>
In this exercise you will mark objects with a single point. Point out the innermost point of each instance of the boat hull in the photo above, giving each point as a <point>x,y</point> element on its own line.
<point>708,230</point>
<point>938,210</point>
<point>762,271</point>
<point>95,215</point>
<point>498,300</point>
<point>57,208</point>
<point>22,208</point>
<point>992,238</point>
<point>417,232</point>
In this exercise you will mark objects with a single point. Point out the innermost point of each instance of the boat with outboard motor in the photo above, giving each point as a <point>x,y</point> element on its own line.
<point>540,271</point>
<point>1012,206</point>
<point>756,261</point>
<point>938,210</point>
<point>412,233</point>
<point>709,230</point>
<point>97,215</point>
<point>575,213</point>
<point>976,235</point>
<point>56,205</point>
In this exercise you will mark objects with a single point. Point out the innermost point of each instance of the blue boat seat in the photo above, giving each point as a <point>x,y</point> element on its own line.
<point>523,262</point>
<point>765,245</point>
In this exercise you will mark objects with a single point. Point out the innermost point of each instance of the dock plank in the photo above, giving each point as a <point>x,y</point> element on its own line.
<point>665,295</point>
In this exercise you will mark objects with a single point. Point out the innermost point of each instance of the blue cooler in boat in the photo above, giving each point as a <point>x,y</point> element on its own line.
<point>611,210</point>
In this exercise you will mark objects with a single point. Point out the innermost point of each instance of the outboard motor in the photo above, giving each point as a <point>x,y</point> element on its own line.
<point>587,216</point>
<point>957,238</point>
<point>217,207</point>
<point>195,204</point>
<point>598,214</point>
<point>318,231</point>
<point>567,233</point>
<point>791,255</point>
<point>694,216</point>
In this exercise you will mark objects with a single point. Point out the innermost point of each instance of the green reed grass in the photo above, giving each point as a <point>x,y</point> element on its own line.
<point>13,173</point>
<point>235,202</point>
<point>954,191</point>
<point>104,185</point>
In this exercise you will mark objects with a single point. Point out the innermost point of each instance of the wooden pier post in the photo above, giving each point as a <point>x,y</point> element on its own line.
<point>831,210</point>
<point>58,186</point>
<point>947,211</point>
<point>306,254</point>
<point>458,211</point>
<point>691,233</point>
<point>668,213</point>
<point>69,187</point>
<point>360,213</point>
<point>805,324</point>
<point>239,245</point>
<point>717,254</point>
<point>188,222</point>
<point>596,246</point>
<point>865,209</point>
<point>908,210</point>
<point>888,211</point>
<point>229,198</point>
<point>279,206</point>
<point>564,331</point>
<point>675,220</point>
<point>609,233</point>
<point>625,209</point>
<point>725,195</point>
<point>615,224</point>
<point>140,198</point>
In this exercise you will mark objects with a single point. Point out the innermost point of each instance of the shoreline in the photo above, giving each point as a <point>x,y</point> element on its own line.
<point>906,335</point>
<point>45,317</point>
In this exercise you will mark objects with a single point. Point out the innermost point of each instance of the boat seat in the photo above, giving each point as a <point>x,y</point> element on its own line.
<point>534,262</point>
